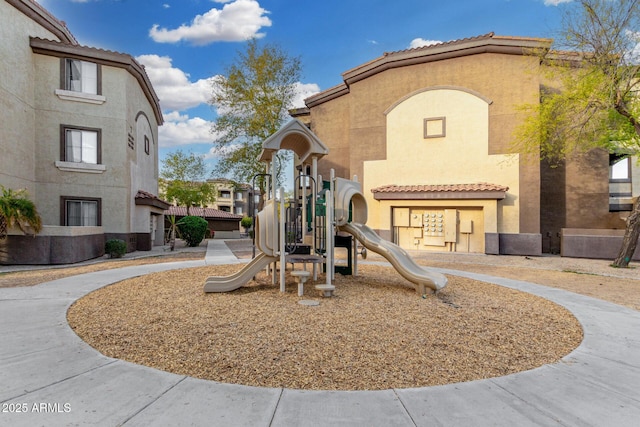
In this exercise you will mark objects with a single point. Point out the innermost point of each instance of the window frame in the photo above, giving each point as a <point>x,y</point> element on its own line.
<point>64,218</point>
<point>426,121</point>
<point>63,143</point>
<point>65,83</point>
<point>613,161</point>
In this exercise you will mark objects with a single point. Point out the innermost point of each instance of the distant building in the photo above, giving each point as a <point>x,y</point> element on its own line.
<point>222,225</point>
<point>238,199</point>
<point>428,132</point>
<point>79,131</point>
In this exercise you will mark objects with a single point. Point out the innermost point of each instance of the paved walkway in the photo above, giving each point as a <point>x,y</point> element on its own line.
<point>49,377</point>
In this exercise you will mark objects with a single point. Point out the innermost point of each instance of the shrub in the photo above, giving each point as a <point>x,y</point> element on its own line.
<point>246,222</point>
<point>192,229</point>
<point>116,248</point>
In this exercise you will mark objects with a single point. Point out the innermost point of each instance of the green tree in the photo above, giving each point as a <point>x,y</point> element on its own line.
<point>246,222</point>
<point>252,100</point>
<point>192,229</point>
<point>595,63</point>
<point>183,180</point>
<point>17,210</point>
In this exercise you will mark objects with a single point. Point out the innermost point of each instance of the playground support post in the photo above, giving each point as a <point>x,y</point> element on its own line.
<point>283,254</point>
<point>354,246</point>
<point>329,231</point>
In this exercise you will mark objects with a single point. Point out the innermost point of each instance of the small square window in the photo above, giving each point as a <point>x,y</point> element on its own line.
<point>435,127</point>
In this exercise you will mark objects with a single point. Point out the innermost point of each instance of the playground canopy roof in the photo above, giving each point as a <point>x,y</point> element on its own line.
<point>297,137</point>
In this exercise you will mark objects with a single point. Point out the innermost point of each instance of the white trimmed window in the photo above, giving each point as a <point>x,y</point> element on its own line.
<point>81,76</point>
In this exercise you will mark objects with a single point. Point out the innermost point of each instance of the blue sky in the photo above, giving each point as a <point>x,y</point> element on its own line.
<point>183,43</point>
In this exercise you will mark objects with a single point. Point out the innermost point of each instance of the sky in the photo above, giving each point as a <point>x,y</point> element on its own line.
<point>184,43</point>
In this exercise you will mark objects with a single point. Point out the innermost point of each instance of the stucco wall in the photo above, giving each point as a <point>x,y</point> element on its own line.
<point>459,157</point>
<point>110,118</point>
<point>357,120</point>
<point>17,71</point>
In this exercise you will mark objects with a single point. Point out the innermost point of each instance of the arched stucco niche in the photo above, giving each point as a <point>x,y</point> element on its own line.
<point>434,88</point>
<point>294,136</point>
<point>456,153</point>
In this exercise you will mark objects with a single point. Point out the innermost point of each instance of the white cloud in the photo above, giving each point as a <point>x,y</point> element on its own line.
<point>216,152</point>
<point>422,42</point>
<point>634,55</point>
<point>237,21</point>
<point>177,93</point>
<point>555,2</point>
<point>180,129</point>
<point>175,90</point>
<point>304,90</point>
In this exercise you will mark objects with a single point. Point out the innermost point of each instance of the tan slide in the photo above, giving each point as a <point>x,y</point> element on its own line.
<point>240,278</point>
<point>398,257</point>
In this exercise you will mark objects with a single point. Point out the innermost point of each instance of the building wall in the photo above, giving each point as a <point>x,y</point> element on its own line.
<point>331,122</point>
<point>18,71</point>
<point>375,131</point>
<point>411,158</point>
<point>34,109</point>
<point>239,197</point>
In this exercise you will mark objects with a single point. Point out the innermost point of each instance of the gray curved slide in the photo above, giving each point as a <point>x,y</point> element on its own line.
<point>398,257</point>
<point>240,278</point>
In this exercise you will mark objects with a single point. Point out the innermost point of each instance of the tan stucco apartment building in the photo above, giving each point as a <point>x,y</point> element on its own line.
<point>428,133</point>
<point>79,131</point>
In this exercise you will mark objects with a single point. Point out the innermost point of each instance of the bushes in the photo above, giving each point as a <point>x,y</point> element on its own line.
<point>192,229</point>
<point>116,248</point>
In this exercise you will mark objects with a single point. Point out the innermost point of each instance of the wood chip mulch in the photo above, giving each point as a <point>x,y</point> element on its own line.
<point>376,333</point>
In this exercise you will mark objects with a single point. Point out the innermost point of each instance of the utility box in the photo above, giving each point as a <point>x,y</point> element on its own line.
<point>466,226</point>
<point>450,225</point>
<point>401,217</point>
<point>416,220</point>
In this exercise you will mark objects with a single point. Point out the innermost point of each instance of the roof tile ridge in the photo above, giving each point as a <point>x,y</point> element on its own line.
<point>447,43</point>
<point>53,18</point>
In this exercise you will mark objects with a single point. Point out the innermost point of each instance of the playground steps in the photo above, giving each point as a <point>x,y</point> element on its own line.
<point>326,290</point>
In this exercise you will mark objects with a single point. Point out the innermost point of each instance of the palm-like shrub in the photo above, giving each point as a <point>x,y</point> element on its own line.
<point>192,229</point>
<point>16,210</point>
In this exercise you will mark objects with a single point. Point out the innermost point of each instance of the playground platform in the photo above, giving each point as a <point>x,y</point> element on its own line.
<point>48,376</point>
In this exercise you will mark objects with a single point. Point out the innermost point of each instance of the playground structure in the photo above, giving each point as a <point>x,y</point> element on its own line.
<point>304,229</point>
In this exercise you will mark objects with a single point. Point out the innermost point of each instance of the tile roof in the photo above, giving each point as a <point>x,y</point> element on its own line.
<point>203,212</point>
<point>43,17</point>
<point>435,188</point>
<point>141,194</point>
<point>146,198</point>
<point>447,43</point>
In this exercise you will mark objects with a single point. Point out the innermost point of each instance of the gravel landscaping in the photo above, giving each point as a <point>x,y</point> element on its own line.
<point>376,333</point>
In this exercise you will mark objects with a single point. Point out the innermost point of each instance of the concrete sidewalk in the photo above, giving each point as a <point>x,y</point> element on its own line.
<point>48,376</point>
